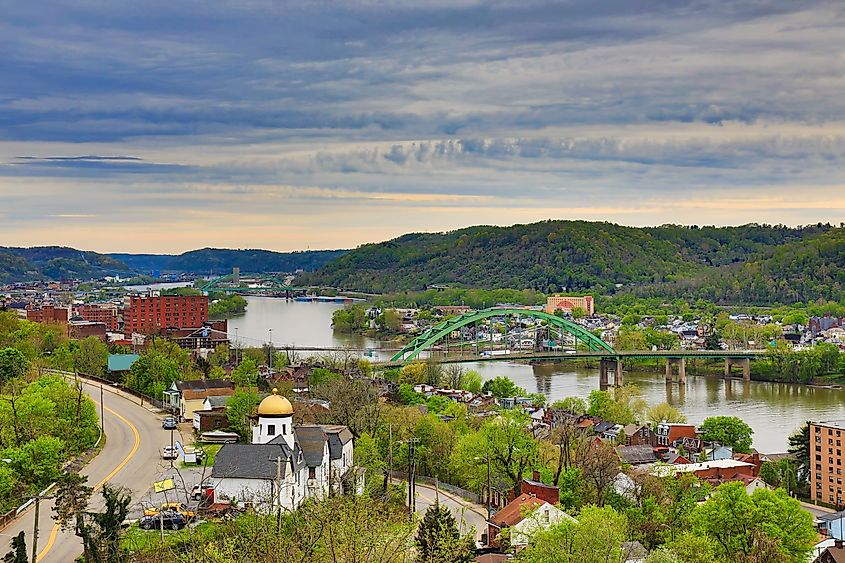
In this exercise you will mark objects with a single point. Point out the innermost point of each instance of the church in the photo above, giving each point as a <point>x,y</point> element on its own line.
<point>285,463</point>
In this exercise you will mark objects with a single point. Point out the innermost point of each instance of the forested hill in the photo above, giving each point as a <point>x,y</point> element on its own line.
<point>56,263</point>
<point>222,260</point>
<point>602,258</point>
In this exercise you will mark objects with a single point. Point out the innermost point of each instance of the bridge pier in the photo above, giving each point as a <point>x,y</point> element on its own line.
<point>682,370</point>
<point>744,363</point>
<point>607,365</point>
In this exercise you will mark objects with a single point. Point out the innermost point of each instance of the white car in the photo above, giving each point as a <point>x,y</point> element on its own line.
<point>169,452</point>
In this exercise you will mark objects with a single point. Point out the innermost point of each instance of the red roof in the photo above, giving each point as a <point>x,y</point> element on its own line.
<point>513,514</point>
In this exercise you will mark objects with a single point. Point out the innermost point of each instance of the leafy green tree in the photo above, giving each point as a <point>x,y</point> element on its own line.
<point>438,539</point>
<point>319,376</point>
<point>780,474</point>
<point>13,364</point>
<point>241,405</point>
<point>18,552</point>
<point>575,405</point>
<point>743,525</point>
<point>246,374</point>
<point>664,412</point>
<point>500,387</point>
<point>91,357</point>
<point>799,446</point>
<point>472,382</point>
<point>596,537</point>
<point>152,373</point>
<point>727,431</point>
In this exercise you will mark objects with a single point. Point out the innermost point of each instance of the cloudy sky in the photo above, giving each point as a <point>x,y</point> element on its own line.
<point>163,126</point>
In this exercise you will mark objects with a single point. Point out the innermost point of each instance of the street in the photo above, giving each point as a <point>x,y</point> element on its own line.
<point>466,513</point>
<point>129,459</point>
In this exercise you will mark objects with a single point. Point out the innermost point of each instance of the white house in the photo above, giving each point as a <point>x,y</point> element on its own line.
<point>541,518</point>
<point>284,464</point>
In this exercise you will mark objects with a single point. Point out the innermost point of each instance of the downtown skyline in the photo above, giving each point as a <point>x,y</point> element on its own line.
<point>163,128</point>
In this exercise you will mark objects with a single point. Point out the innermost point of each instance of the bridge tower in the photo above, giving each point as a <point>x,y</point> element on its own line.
<point>744,363</point>
<point>682,370</point>
<point>607,365</point>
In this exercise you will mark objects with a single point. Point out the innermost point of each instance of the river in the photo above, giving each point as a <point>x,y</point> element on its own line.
<point>773,410</point>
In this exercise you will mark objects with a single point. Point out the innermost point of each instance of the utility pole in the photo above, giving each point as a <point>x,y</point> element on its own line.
<point>279,494</point>
<point>102,413</point>
<point>412,475</point>
<point>488,486</point>
<point>35,529</point>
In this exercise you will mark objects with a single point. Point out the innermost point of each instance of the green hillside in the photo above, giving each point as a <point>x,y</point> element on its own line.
<point>222,260</point>
<point>56,263</point>
<point>573,255</point>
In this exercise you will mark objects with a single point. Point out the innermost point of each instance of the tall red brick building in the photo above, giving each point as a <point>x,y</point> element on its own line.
<point>47,314</point>
<point>153,315</point>
<point>105,313</point>
<point>826,461</point>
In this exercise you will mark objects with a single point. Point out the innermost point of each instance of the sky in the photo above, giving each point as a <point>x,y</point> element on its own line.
<point>164,126</point>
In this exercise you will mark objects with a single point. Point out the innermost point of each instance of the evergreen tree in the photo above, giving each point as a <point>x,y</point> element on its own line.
<point>18,552</point>
<point>438,539</point>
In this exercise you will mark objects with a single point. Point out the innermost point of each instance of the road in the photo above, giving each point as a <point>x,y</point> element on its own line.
<point>466,513</point>
<point>129,459</point>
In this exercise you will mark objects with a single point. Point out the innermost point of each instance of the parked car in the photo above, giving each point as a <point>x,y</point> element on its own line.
<point>203,490</point>
<point>169,423</point>
<point>177,507</point>
<point>169,452</point>
<point>170,520</point>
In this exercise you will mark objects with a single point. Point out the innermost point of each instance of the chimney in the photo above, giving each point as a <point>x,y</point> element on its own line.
<point>837,544</point>
<point>536,476</point>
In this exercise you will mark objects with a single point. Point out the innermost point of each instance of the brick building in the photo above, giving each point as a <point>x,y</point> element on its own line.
<point>152,315</point>
<point>105,313</point>
<point>826,461</point>
<point>47,314</point>
<point>567,303</point>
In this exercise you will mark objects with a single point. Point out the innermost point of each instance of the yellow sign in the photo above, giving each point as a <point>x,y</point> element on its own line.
<point>165,485</point>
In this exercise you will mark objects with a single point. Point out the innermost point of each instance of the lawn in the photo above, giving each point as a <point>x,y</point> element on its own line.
<point>137,540</point>
<point>210,451</point>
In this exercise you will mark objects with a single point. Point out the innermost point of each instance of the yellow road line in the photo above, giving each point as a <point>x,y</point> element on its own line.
<point>55,531</point>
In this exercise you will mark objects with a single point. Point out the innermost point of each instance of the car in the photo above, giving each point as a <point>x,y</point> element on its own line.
<point>169,520</point>
<point>204,490</point>
<point>177,507</point>
<point>169,452</point>
<point>169,423</point>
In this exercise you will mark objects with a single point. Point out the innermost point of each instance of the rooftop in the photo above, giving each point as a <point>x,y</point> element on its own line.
<point>839,424</point>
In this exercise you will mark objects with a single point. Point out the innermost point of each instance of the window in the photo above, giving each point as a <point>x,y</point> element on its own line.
<point>271,429</point>
<point>312,473</point>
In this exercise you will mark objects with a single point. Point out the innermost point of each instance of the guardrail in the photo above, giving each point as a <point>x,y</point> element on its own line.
<point>112,384</point>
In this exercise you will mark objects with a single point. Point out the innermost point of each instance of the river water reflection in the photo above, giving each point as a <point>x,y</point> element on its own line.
<point>773,410</point>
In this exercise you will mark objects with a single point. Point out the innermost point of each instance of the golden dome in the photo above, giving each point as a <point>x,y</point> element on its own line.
<point>275,405</point>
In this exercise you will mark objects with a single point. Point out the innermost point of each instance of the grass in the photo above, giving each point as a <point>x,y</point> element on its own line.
<point>137,540</point>
<point>210,452</point>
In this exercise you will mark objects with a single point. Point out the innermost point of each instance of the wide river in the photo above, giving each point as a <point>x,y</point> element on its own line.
<point>773,410</point>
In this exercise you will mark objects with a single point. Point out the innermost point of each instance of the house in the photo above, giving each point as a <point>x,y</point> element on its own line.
<point>751,483</point>
<point>633,552</point>
<point>120,364</point>
<point>285,463</point>
<point>715,452</point>
<point>215,418</point>
<point>832,554</point>
<point>523,517</point>
<point>832,524</point>
<point>637,455</point>
<point>726,469</point>
<point>667,433</point>
<point>637,435</point>
<point>185,397</point>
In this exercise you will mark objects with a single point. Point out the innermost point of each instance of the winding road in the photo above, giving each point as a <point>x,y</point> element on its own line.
<point>126,460</point>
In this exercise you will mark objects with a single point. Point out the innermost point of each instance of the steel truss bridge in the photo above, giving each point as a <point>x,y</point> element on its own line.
<point>269,284</point>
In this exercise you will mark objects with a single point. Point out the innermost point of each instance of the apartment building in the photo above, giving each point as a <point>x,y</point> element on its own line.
<point>826,465</point>
<point>154,315</point>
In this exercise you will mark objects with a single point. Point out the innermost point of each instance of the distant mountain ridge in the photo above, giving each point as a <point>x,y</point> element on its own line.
<point>750,264</point>
<point>222,260</point>
<point>60,263</point>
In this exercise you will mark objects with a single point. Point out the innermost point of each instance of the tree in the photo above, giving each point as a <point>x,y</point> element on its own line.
<point>354,404</point>
<point>596,537</point>
<point>501,387</point>
<point>799,446</point>
<point>780,474</point>
<point>91,357</point>
<point>472,382</point>
<point>744,525</point>
<point>18,552</point>
<point>512,450</point>
<point>574,405</point>
<point>240,406</point>
<point>438,539</point>
<point>72,496</point>
<point>101,535</point>
<point>727,431</point>
<point>599,465</point>
<point>246,374</point>
<point>13,364</point>
<point>664,412</point>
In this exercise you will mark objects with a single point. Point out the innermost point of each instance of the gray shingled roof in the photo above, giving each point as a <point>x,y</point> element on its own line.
<point>338,436</point>
<point>637,455</point>
<point>202,384</point>
<point>312,440</point>
<point>250,461</point>
<point>218,400</point>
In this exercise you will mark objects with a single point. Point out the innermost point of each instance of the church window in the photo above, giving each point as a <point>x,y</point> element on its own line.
<point>271,429</point>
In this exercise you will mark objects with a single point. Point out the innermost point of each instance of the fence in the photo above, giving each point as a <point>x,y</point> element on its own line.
<point>430,481</point>
<point>142,397</point>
